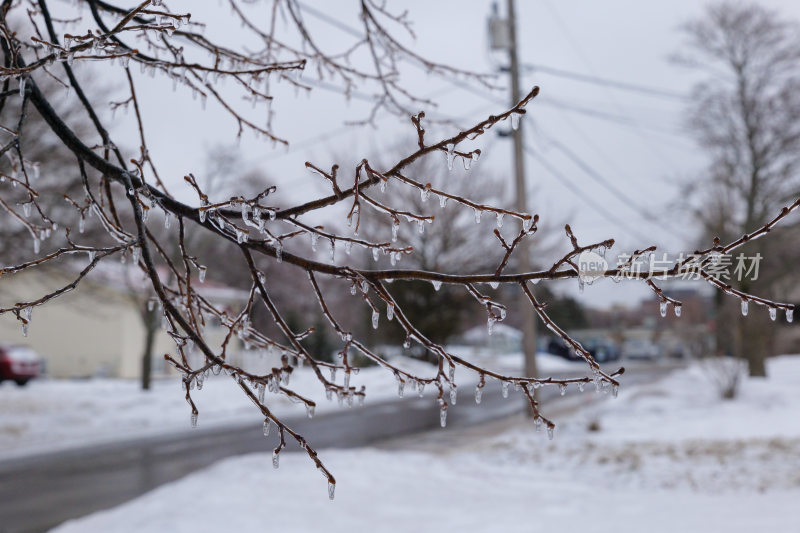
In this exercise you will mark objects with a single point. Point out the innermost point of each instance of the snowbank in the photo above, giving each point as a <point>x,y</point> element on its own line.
<point>47,415</point>
<point>669,457</point>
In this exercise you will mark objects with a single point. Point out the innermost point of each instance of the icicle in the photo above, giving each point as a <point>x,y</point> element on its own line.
<point>395,228</point>
<point>450,155</point>
<point>425,193</point>
<point>314,238</point>
<point>348,247</point>
<point>527,223</point>
<point>333,250</point>
<point>36,244</point>
<point>614,390</point>
<point>500,219</point>
<point>82,224</point>
<point>789,315</point>
<point>375,317</point>
<point>677,309</point>
<point>452,373</point>
<point>663,309</point>
<point>26,208</point>
<point>504,389</point>
<point>443,416</point>
<point>467,162</point>
<point>490,323</point>
<point>421,226</point>
<point>745,307</point>
<point>550,432</point>
<point>436,285</point>
<point>167,219</point>
<point>453,394</point>
<point>25,329</point>
<point>331,489</point>
<point>374,254</point>
<point>390,311</point>
<point>310,411</point>
<point>275,459</point>
<point>494,284</point>
<point>421,389</point>
<point>201,273</point>
<point>400,385</point>
<point>477,216</point>
<point>581,385</point>
<point>773,314</point>
<point>442,201</point>
<point>478,394</point>
<point>193,419</point>
<point>279,251</point>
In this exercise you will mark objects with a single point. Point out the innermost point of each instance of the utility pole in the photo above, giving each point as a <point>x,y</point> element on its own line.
<point>508,41</point>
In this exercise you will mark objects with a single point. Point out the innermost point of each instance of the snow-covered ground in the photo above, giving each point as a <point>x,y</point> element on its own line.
<point>47,414</point>
<point>668,456</point>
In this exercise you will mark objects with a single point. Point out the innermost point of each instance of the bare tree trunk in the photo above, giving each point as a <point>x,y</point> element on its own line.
<point>151,327</point>
<point>753,345</point>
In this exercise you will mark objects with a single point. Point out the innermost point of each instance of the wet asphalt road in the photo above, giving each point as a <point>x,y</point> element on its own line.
<point>41,491</point>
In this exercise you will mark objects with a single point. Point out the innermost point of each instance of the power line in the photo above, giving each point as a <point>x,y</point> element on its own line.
<point>580,193</point>
<point>625,86</point>
<point>590,112</point>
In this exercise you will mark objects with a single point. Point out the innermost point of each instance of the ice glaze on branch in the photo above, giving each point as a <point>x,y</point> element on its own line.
<point>266,234</point>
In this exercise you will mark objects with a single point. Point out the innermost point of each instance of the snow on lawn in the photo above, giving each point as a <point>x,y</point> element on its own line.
<point>669,456</point>
<point>54,414</point>
<point>49,414</point>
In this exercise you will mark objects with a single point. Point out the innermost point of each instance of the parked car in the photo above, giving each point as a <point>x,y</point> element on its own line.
<point>19,363</point>
<point>601,349</point>
<point>641,349</point>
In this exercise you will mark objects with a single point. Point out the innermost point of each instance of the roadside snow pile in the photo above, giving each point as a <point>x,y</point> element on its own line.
<point>668,457</point>
<point>677,432</point>
<point>47,415</point>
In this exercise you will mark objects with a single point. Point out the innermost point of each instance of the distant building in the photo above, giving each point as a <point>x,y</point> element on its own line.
<point>97,329</point>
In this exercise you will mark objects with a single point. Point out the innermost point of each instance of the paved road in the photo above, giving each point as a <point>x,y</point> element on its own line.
<point>39,492</point>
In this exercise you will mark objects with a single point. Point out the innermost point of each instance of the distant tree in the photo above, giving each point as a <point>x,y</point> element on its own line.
<point>745,114</point>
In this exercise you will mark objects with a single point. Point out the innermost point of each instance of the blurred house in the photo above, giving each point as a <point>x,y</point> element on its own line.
<point>504,339</point>
<point>98,328</point>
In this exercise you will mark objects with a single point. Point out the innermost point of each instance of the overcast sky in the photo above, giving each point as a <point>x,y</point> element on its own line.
<point>633,141</point>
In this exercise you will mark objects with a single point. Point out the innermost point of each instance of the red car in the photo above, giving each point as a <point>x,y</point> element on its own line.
<point>19,363</point>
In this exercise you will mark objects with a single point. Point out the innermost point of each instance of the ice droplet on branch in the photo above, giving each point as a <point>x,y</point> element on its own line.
<point>450,155</point>
<point>515,120</point>
<point>478,394</point>
<point>331,489</point>
<point>436,285</point>
<point>375,318</point>
<point>443,416</point>
<point>745,307</point>
<point>677,309</point>
<point>773,314</point>
<point>527,223</point>
<point>663,309</point>
<point>275,459</point>
<point>193,419</point>
<point>789,315</point>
